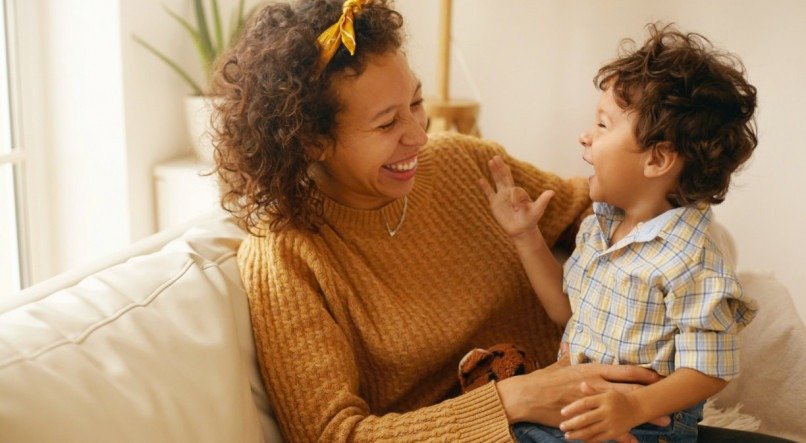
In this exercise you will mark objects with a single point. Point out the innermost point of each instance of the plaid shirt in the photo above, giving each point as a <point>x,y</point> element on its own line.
<point>662,297</point>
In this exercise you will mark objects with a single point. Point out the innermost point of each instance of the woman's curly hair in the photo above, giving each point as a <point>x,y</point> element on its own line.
<point>692,96</point>
<point>277,111</point>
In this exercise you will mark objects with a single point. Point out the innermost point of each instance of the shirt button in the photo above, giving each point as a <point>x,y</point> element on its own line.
<point>579,327</point>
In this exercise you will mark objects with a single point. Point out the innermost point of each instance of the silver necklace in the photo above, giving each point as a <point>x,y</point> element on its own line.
<point>391,231</point>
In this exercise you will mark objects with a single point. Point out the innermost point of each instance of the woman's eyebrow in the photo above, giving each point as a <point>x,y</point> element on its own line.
<point>383,112</point>
<point>391,108</point>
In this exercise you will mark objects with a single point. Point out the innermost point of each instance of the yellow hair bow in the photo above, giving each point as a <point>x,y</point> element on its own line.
<point>340,32</point>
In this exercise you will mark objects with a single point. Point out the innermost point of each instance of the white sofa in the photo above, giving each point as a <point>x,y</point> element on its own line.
<point>154,345</point>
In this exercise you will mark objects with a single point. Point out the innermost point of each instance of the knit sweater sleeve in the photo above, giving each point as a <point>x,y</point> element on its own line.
<point>309,366</point>
<point>569,206</point>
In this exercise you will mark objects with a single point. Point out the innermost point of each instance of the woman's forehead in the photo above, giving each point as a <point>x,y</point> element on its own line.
<point>386,81</point>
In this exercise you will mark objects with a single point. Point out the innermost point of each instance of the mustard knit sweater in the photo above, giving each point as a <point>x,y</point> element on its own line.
<point>359,334</point>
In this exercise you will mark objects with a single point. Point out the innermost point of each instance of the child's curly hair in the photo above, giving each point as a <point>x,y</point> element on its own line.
<point>277,111</point>
<point>692,96</point>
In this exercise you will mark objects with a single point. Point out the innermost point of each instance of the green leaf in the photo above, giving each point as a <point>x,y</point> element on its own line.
<point>197,90</point>
<point>204,35</point>
<point>241,18</point>
<point>194,35</point>
<point>219,31</point>
<point>201,37</point>
<point>234,24</point>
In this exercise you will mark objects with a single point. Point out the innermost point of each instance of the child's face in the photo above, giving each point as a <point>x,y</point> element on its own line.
<point>611,147</point>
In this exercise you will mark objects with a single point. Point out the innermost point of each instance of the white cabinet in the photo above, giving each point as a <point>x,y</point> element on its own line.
<point>183,191</point>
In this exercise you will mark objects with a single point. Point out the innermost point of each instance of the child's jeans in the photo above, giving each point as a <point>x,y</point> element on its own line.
<point>683,428</point>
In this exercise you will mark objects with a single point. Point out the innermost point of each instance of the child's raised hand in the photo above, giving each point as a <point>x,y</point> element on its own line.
<point>511,206</point>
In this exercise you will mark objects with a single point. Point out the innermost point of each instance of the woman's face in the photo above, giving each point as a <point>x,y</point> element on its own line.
<point>380,131</point>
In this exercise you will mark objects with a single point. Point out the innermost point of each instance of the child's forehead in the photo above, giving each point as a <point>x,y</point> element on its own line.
<point>609,109</point>
<point>608,103</point>
<point>618,99</point>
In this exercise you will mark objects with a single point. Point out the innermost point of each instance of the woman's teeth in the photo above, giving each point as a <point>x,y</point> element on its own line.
<point>403,166</point>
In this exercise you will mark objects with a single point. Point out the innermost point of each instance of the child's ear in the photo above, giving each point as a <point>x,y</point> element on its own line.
<point>662,159</point>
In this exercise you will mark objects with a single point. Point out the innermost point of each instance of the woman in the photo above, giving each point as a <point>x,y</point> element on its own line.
<point>374,263</point>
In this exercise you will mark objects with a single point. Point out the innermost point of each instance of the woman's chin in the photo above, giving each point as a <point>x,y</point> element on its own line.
<point>402,192</point>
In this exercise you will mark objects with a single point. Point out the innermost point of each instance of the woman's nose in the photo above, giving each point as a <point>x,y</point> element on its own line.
<point>415,133</point>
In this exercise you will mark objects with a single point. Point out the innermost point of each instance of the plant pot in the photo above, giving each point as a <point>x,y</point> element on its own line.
<point>198,115</point>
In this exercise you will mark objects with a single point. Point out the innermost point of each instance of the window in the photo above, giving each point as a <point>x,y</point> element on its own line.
<point>12,161</point>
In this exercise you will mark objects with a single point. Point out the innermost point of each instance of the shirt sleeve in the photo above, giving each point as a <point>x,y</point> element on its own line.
<point>310,370</point>
<point>709,312</point>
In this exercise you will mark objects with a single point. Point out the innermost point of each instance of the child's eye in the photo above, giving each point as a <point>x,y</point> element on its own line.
<point>601,125</point>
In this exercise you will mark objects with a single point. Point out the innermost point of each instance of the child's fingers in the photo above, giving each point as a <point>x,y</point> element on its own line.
<point>580,406</point>
<point>519,197</point>
<point>588,431</point>
<point>502,176</point>
<point>661,421</point>
<point>485,187</point>
<point>542,201</point>
<point>564,348</point>
<point>626,438</point>
<point>586,420</point>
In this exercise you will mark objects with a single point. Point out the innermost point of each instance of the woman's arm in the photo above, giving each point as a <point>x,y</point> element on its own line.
<point>539,396</point>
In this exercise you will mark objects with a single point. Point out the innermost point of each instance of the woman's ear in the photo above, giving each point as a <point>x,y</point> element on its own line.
<point>662,160</point>
<point>320,152</point>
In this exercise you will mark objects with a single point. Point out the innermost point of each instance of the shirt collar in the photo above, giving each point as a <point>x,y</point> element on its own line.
<point>663,225</point>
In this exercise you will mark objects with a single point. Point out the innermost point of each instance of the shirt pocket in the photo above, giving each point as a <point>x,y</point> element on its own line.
<point>639,305</point>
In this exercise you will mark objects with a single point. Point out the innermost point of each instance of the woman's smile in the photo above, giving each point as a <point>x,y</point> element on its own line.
<point>402,170</point>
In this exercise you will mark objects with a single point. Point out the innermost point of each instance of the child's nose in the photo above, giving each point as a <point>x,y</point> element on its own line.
<point>584,140</point>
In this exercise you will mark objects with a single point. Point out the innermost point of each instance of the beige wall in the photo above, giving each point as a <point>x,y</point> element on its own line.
<point>530,64</point>
<point>99,112</point>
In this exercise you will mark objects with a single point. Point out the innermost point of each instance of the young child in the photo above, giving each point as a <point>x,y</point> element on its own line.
<point>646,284</point>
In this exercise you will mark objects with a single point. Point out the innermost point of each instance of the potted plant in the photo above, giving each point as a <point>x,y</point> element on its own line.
<point>210,42</point>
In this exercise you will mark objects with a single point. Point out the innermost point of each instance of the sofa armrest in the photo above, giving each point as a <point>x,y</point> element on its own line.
<point>144,246</point>
<point>153,347</point>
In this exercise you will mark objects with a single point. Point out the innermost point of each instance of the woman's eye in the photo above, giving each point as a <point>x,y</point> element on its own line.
<point>414,105</point>
<point>389,125</point>
<point>601,125</point>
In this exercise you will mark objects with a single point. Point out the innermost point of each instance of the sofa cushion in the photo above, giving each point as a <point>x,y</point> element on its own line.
<point>770,386</point>
<point>158,348</point>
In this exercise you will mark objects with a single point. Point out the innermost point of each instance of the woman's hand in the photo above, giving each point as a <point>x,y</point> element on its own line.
<point>539,396</point>
<point>511,206</point>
